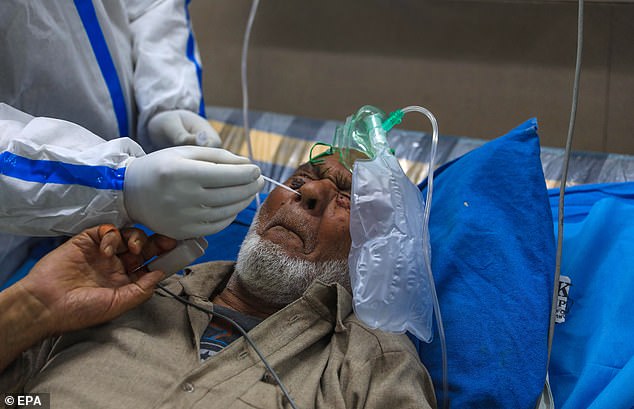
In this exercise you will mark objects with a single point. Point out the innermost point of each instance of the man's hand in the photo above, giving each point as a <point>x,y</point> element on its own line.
<point>84,282</point>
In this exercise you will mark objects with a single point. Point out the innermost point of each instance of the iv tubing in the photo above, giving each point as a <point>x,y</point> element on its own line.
<point>245,93</point>
<point>430,188</point>
<point>247,134</point>
<point>564,177</point>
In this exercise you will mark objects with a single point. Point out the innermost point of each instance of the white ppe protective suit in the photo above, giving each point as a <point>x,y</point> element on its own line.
<point>78,180</point>
<point>102,64</point>
<point>111,66</point>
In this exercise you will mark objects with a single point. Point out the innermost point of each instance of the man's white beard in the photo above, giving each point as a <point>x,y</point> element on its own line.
<point>267,272</point>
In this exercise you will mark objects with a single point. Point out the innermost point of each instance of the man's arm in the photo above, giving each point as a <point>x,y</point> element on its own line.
<point>82,283</point>
<point>22,323</point>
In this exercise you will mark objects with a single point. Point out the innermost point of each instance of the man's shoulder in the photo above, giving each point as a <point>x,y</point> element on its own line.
<point>377,340</point>
<point>360,338</point>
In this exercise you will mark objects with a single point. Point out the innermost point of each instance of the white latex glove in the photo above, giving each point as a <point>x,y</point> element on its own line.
<point>189,191</point>
<point>181,127</point>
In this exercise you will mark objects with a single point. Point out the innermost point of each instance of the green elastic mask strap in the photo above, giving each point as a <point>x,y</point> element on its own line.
<point>316,160</point>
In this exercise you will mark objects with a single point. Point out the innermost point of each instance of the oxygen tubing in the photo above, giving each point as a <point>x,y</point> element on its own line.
<point>393,119</point>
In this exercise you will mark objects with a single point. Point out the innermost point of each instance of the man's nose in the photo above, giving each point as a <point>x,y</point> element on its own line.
<point>316,194</point>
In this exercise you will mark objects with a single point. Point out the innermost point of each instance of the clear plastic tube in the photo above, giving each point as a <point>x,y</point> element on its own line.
<point>432,159</point>
<point>430,188</point>
<point>245,93</point>
<point>247,134</point>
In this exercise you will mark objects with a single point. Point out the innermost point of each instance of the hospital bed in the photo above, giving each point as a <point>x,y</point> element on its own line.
<point>493,256</point>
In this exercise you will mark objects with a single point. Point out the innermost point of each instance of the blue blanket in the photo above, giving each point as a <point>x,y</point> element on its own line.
<point>592,361</point>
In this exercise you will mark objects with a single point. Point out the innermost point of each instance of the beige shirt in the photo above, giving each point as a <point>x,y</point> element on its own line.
<point>149,358</point>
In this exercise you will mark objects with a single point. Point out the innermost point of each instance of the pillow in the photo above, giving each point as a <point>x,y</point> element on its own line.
<point>493,259</point>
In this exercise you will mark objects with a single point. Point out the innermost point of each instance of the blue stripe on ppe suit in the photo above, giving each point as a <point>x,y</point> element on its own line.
<point>191,55</point>
<point>89,19</point>
<point>45,171</point>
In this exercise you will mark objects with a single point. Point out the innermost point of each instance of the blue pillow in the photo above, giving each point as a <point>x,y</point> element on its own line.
<point>493,259</point>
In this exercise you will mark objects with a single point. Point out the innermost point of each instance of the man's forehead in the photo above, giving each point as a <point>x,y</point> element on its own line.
<point>306,167</point>
<point>326,164</point>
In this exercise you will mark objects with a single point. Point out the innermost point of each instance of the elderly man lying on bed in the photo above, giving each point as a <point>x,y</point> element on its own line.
<point>91,335</point>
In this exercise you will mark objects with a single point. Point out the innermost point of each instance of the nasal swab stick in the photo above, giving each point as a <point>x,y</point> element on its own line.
<point>275,182</point>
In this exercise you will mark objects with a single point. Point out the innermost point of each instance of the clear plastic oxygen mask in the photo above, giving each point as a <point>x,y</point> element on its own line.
<point>390,257</point>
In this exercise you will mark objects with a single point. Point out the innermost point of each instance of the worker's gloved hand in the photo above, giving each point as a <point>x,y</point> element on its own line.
<point>189,191</point>
<point>181,127</point>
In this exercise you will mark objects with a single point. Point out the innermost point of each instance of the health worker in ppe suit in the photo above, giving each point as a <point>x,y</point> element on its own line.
<point>115,69</point>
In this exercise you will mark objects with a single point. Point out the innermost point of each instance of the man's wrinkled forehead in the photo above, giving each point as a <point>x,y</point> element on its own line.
<point>328,166</point>
<point>307,167</point>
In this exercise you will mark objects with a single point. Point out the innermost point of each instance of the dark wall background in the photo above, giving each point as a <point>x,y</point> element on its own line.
<point>481,67</point>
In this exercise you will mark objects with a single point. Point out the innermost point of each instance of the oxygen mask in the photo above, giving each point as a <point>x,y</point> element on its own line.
<point>390,268</point>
